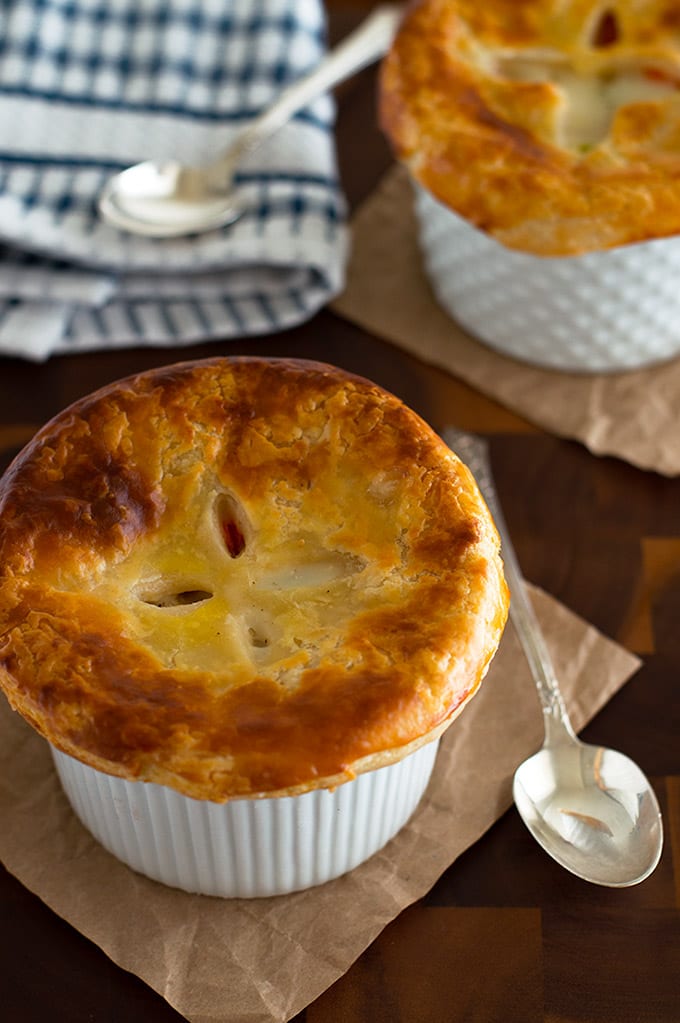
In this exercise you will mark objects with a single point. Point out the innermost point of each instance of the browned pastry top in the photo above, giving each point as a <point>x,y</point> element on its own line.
<point>553,125</point>
<point>240,577</point>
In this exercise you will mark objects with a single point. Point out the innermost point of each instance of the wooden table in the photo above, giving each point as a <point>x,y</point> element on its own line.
<point>505,936</point>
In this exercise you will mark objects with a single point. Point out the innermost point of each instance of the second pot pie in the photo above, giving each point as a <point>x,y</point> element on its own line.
<point>552,126</point>
<point>243,577</point>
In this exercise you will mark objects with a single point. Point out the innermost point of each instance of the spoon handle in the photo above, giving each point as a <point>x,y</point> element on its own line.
<point>362,47</point>
<point>474,451</point>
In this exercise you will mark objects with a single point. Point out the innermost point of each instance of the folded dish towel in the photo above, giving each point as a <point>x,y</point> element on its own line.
<point>88,87</point>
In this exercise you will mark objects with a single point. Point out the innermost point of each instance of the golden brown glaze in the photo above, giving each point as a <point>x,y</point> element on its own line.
<point>240,577</point>
<point>553,125</point>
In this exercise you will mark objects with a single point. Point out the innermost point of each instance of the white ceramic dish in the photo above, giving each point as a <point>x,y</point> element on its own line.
<point>600,312</point>
<point>247,847</point>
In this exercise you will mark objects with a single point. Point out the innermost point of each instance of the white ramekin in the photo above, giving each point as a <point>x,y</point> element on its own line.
<point>247,847</point>
<point>600,312</point>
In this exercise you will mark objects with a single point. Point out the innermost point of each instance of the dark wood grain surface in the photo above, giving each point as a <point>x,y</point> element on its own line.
<point>505,936</point>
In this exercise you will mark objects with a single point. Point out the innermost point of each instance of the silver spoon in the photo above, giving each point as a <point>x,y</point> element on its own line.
<point>592,809</point>
<point>165,200</point>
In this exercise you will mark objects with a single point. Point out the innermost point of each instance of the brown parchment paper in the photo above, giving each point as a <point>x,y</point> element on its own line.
<point>632,415</point>
<point>263,960</point>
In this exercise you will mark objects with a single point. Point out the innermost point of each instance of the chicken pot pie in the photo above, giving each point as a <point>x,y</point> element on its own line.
<point>243,577</point>
<point>551,125</point>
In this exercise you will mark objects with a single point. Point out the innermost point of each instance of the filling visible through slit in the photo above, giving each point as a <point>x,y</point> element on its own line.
<point>257,639</point>
<point>233,524</point>
<point>176,598</point>
<point>233,538</point>
<point>606,31</point>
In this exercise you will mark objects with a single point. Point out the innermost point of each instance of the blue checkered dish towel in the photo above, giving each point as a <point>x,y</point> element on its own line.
<point>88,87</point>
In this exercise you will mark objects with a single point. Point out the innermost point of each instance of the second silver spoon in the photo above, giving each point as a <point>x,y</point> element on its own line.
<point>165,200</point>
<point>591,808</point>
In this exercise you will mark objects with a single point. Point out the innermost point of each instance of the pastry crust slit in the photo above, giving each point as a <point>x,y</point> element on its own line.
<point>233,524</point>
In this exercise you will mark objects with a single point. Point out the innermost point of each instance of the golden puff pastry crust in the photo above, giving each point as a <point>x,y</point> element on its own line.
<point>552,125</point>
<point>243,577</point>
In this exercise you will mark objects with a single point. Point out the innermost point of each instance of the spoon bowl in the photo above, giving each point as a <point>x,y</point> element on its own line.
<point>591,808</point>
<point>166,200</point>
